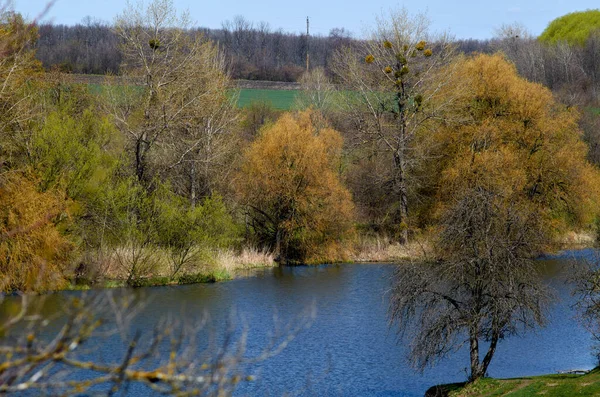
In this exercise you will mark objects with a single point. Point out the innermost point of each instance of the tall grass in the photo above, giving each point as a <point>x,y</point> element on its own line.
<point>151,265</point>
<point>384,249</point>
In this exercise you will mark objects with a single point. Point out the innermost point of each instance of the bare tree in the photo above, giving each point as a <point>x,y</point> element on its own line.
<point>316,90</point>
<point>484,286</point>
<point>523,49</point>
<point>587,289</point>
<point>391,78</point>
<point>183,110</point>
<point>58,356</point>
<point>200,149</point>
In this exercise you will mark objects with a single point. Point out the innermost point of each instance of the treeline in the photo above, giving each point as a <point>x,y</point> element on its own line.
<point>152,179</point>
<point>571,69</point>
<point>254,51</point>
<point>90,48</point>
<point>158,173</point>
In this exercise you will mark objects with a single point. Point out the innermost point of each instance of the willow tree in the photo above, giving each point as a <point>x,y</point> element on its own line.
<point>390,80</point>
<point>290,185</point>
<point>512,175</point>
<point>33,252</point>
<point>175,98</point>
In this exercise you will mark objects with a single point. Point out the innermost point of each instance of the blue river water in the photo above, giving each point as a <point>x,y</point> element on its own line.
<point>349,349</point>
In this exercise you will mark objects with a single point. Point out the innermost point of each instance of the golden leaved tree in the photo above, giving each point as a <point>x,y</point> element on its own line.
<point>32,250</point>
<point>511,175</point>
<point>510,135</point>
<point>290,184</point>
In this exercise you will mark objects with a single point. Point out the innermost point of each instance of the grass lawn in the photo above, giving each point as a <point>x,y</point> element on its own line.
<point>547,385</point>
<point>281,99</point>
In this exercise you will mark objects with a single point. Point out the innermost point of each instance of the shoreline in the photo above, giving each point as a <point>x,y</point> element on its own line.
<point>228,265</point>
<point>551,385</point>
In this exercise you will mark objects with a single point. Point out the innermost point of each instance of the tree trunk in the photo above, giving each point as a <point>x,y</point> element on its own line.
<point>278,254</point>
<point>474,350</point>
<point>193,184</point>
<point>400,190</point>
<point>139,159</point>
<point>490,353</point>
<point>400,164</point>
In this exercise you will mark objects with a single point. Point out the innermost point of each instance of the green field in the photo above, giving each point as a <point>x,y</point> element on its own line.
<point>595,111</point>
<point>547,385</point>
<point>280,99</point>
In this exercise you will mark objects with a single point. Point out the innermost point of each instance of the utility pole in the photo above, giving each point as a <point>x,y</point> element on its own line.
<point>307,45</point>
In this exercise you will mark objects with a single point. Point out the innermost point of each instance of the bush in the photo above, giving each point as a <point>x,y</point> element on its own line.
<point>291,188</point>
<point>33,253</point>
<point>186,231</point>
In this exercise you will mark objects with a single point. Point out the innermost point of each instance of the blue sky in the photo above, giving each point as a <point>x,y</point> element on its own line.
<point>465,19</point>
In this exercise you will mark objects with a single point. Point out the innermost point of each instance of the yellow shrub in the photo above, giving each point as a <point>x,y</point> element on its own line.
<point>291,185</point>
<point>32,250</point>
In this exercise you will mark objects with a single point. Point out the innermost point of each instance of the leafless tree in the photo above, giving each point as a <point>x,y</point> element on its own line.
<point>180,120</point>
<point>60,356</point>
<point>316,90</point>
<point>484,286</point>
<point>587,290</point>
<point>200,149</point>
<point>391,79</point>
<point>522,48</point>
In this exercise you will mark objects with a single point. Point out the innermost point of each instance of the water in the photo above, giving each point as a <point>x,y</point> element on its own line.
<point>349,348</point>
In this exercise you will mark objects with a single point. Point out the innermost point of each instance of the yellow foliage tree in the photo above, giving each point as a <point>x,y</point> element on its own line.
<point>509,135</point>
<point>18,72</point>
<point>32,250</point>
<point>511,174</point>
<point>291,187</point>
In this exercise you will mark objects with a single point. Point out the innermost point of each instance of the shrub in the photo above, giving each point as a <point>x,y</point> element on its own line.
<point>291,188</point>
<point>33,252</point>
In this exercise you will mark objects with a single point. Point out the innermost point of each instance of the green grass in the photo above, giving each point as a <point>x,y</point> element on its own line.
<point>280,99</point>
<point>212,277</point>
<point>595,111</point>
<point>96,89</point>
<point>547,385</point>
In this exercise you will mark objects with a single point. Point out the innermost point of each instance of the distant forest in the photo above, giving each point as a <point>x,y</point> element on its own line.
<point>254,51</point>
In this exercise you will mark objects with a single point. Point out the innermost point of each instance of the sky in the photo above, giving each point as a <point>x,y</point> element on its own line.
<point>464,19</point>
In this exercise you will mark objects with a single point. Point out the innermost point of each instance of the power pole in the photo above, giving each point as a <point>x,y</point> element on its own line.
<point>307,45</point>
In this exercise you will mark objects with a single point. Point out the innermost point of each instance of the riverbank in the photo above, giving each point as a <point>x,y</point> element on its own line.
<point>558,385</point>
<point>130,267</point>
<point>125,267</point>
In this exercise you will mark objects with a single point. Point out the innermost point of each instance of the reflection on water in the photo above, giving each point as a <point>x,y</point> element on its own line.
<point>349,349</point>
